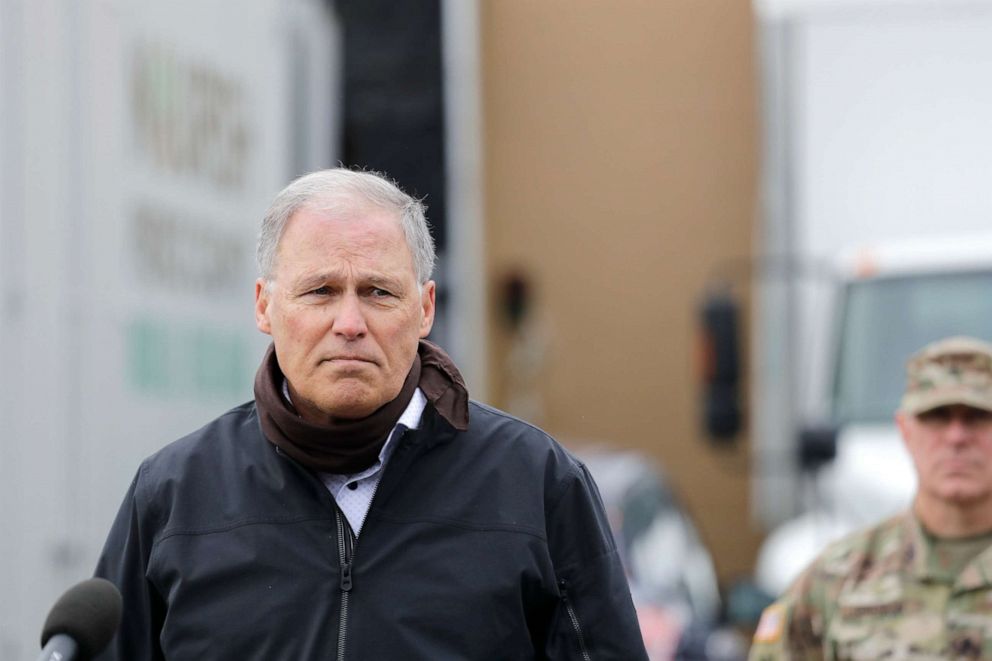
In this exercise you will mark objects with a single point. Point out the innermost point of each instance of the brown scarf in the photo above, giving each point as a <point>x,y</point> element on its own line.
<point>340,445</point>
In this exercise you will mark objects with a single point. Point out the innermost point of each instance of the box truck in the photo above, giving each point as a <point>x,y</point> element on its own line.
<point>873,240</point>
<point>140,142</point>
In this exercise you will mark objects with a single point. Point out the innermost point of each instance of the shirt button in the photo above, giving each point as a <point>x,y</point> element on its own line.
<point>353,485</point>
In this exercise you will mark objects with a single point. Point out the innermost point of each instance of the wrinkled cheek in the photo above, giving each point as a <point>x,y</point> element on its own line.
<point>303,329</point>
<point>294,345</point>
<point>293,328</point>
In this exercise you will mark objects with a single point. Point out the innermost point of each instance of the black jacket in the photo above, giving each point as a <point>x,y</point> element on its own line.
<point>485,544</point>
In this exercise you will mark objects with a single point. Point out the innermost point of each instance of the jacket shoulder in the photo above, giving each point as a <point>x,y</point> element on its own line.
<point>504,433</point>
<point>485,418</point>
<point>865,553</point>
<point>856,564</point>
<point>212,438</point>
<point>207,478</point>
<point>854,567</point>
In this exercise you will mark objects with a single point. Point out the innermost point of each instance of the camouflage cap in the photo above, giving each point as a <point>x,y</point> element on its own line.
<point>956,370</point>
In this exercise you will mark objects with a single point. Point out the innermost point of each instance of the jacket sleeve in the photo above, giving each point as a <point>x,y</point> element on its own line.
<point>792,627</point>
<point>123,562</point>
<point>594,617</point>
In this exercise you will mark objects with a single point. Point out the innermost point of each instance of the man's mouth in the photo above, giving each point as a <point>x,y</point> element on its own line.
<point>349,359</point>
<point>960,465</point>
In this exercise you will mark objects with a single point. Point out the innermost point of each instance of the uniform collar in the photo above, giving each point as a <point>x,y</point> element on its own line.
<point>977,574</point>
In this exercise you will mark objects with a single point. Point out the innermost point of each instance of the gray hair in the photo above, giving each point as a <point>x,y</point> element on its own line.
<point>339,189</point>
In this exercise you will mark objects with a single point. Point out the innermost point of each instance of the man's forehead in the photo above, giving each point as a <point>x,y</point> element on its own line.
<point>335,228</point>
<point>360,242</point>
<point>345,226</point>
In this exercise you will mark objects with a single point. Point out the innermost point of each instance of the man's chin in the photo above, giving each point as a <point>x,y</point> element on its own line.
<point>356,412</point>
<point>966,493</point>
<point>359,403</point>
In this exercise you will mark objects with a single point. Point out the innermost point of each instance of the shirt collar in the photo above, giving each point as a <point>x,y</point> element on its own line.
<point>414,410</point>
<point>410,419</point>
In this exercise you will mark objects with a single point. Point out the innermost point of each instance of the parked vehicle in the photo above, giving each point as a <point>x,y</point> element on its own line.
<point>672,578</point>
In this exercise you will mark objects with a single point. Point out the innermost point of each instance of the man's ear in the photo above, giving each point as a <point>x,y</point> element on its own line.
<point>902,424</point>
<point>427,304</point>
<point>262,307</point>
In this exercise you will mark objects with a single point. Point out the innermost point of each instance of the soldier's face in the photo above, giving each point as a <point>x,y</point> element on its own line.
<point>951,447</point>
<point>344,310</point>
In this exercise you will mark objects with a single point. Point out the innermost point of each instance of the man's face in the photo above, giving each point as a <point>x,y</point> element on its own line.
<point>951,447</point>
<point>344,310</point>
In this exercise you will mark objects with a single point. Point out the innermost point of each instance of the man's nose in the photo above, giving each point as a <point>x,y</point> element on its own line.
<point>349,319</point>
<point>959,429</point>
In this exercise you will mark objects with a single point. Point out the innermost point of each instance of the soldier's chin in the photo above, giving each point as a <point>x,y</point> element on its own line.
<point>967,494</point>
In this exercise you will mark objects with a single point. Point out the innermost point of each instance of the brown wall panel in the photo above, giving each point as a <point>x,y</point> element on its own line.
<point>621,166</point>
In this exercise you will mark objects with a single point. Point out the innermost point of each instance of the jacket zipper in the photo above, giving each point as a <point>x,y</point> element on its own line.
<point>347,542</point>
<point>346,552</point>
<point>563,586</point>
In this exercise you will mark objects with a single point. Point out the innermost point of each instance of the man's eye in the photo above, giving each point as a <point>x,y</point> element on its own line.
<point>938,416</point>
<point>380,293</point>
<point>976,417</point>
<point>981,416</point>
<point>321,291</point>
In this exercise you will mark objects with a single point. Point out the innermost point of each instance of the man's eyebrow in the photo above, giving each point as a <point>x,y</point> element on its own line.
<point>305,282</point>
<point>313,280</point>
<point>385,282</point>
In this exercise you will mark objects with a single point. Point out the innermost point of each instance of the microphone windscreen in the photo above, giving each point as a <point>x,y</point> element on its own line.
<point>89,612</point>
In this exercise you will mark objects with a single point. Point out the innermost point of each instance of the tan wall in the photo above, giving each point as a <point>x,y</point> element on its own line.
<point>621,164</point>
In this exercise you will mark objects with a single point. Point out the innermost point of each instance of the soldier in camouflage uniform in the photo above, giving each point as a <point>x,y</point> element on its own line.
<point>918,586</point>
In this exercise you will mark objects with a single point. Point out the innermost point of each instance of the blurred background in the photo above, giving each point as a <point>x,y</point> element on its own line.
<point>694,241</point>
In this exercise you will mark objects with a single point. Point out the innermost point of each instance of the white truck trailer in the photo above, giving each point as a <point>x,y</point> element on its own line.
<point>878,154</point>
<point>139,143</point>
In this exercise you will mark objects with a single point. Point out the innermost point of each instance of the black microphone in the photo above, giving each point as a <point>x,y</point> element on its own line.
<point>81,622</point>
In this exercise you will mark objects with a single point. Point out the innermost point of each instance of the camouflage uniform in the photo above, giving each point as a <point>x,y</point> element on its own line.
<point>880,594</point>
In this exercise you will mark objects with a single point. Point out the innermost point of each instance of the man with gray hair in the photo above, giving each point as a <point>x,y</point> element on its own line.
<point>919,585</point>
<point>362,507</point>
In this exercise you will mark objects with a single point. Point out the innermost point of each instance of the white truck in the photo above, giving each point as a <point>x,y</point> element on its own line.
<point>139,143</point>
<point>877,216</point>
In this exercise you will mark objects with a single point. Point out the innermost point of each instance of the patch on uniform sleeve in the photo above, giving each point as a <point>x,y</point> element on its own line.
<point>771,624</point>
